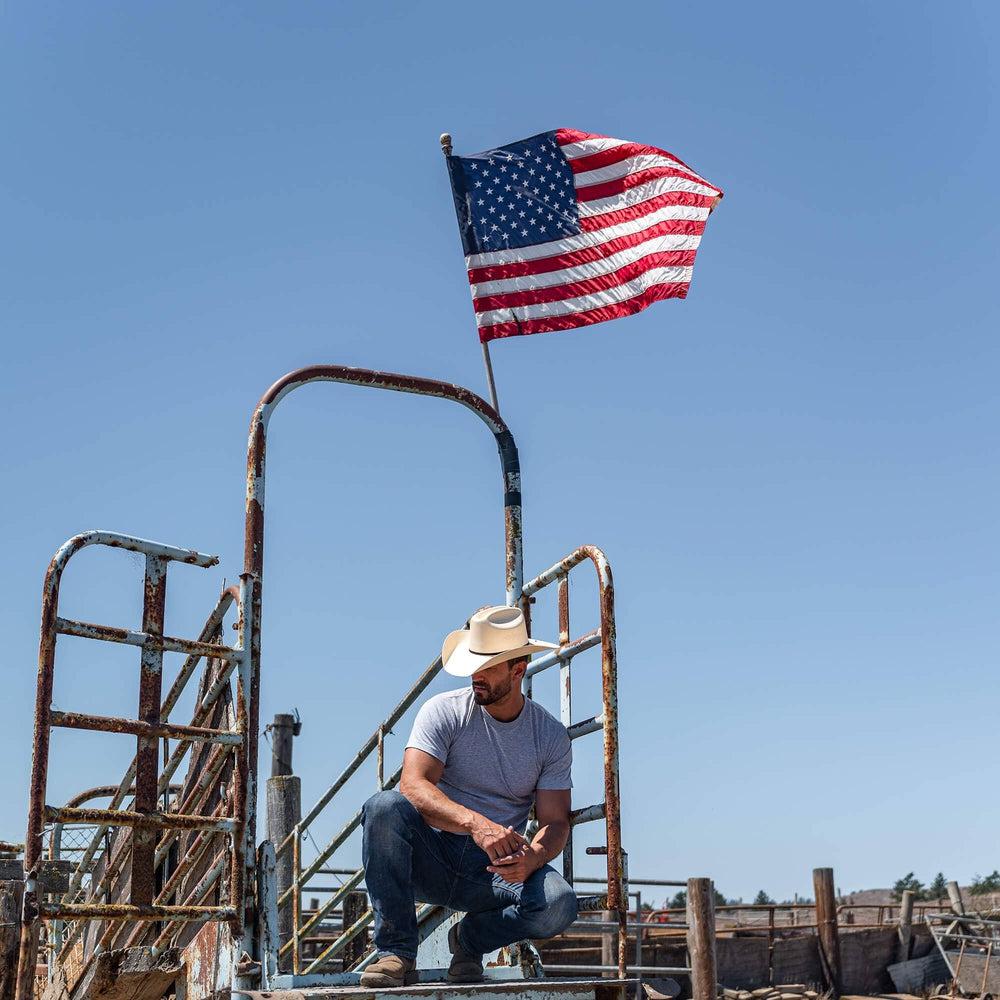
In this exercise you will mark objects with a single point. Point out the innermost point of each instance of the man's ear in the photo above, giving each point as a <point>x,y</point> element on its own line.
<point>518,668</point>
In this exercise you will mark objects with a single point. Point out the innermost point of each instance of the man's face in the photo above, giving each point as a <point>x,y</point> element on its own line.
<point>494,683</point>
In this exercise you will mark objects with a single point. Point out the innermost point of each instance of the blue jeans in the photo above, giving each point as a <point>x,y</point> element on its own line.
<point>407,861</point>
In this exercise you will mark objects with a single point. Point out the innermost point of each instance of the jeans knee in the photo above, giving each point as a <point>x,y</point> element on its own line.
<point>557,910</point>
<point>385,807</point>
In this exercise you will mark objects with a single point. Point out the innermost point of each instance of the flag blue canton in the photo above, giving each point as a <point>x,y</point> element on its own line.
<point>515,196</point>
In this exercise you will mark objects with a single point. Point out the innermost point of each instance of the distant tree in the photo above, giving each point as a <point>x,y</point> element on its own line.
<point>938,887</point>
<point>647,906</point>
<point>680,899</point>
<point>908,881</point>
<point>983,884</point>
<point>721,900</point>
<point>762,899</point>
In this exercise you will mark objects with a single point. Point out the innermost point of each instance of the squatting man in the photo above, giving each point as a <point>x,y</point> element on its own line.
<point>476,761</point>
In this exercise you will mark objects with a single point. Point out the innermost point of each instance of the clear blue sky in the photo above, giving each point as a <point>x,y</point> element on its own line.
<point>794,472</point>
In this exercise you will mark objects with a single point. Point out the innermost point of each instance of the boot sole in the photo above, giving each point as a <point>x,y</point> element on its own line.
<point>380,981</point>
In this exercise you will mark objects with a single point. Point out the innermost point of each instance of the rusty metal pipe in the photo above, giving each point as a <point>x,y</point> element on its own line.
<point>142,821</point>
<point>146,640</point>
<point>112,724</point>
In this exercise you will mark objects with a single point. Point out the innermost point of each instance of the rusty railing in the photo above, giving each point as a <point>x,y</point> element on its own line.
<point>151,827</point>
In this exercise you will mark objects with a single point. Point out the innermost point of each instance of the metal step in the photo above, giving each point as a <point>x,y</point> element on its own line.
<point>515,989</point>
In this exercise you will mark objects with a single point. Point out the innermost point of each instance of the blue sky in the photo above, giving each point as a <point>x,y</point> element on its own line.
<point>793,472</point>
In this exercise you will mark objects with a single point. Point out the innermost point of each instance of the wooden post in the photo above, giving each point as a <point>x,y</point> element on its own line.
<point>905,924</point>
<point>955,895</point>
<point>355,904</point>
<point>283,729</point>
<point>826,925</point>
<point>284,810</point>
<point>11,895</point>
<point>609,953</point>
<point>701,938</point>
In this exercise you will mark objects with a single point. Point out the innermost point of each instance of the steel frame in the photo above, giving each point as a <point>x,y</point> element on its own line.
<point>153,828</point>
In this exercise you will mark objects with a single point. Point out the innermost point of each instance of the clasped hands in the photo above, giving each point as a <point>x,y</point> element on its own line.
<point>513,858</point>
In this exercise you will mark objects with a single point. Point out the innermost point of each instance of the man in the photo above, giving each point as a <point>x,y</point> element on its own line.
<point>476,761</point>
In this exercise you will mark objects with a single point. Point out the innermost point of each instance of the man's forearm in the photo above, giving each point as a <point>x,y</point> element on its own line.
<point>439,811</point>
<point>550,839</point>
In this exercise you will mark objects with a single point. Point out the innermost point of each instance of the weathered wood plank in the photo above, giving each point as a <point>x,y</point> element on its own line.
<point>129,974</point>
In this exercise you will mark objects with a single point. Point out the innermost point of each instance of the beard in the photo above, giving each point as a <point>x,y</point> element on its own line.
<point>486,695</point>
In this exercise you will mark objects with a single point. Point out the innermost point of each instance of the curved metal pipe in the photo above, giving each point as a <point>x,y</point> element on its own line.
<point>253,552</point>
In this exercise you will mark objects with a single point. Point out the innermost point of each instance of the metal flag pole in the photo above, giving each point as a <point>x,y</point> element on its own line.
<point>484,344</point>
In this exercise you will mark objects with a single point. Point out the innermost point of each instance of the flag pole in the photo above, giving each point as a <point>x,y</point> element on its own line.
<point>484,344</point>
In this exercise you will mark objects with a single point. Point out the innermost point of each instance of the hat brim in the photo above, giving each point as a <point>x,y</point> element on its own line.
<point>460,661</point>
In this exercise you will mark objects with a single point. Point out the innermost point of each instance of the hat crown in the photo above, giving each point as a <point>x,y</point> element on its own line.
<point>497,629</point>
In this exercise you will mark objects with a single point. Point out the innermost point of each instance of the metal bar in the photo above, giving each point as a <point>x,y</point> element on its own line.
<point>641,881</point>
<point>346,830</point>
<point>111,724</point>
<point>362,755</point>
<point>200,891</point>
<point>146,821</point>
<point>644,970</point>
<point>145,638</point>
<point>128,911</point>
<point>566,703</point>
<point>555,657</point>
<point>585,727</point>
<point>338,897</point>
<point>588,814</point>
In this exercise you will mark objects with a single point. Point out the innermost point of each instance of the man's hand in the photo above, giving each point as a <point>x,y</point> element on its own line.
<point>518,867</point>
<point>497,841</point>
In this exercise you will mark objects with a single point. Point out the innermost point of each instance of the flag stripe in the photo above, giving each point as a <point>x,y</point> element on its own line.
<point>598,158</point>
<point>580,303</point>
<point>524,260</point>
<point>643,192</point>
<point>588,286</point>
<point>656,293</point>
<point>621,216</point>
<point>598,263</point>
<point>629,165</point>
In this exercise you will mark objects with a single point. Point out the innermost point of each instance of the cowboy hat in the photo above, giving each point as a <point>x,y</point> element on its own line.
<point>494,635</point>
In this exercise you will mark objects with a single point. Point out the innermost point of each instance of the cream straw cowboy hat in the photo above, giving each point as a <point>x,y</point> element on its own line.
<point>493,636</point>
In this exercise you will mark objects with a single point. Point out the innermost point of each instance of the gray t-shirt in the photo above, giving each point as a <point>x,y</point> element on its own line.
<point>493,767</point>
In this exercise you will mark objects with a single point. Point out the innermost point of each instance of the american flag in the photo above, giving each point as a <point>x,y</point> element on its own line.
<point>569,228</point>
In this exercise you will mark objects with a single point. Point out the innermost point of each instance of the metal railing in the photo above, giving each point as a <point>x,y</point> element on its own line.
<point>154,821</point>
<point>306,925</point>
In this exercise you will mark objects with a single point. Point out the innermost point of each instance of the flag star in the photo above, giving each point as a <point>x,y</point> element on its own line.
<point>552,187</point>
<point>507,187</point>
<point>474,165</point>
<point>532,171</point>
<point>538,159</point>
<point>503,167</point>
<point>495,228</point>
<point>503,218</point>
<point>491,161</point>
<point>549,216</point>
<point>547,197</point>
<point>520,195</point>
<point>486,174</point>
<point>479,184</point>
<point>513,177</point>
<point>521,214</point>
<point>481,202</point>
<point>483,222</point>
<point>510,204</point>
<point>524,232</point>
<point>489,190</point>
<point>535,190</point>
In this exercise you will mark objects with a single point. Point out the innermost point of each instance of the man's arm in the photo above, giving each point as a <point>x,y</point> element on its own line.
<point>421,773</point>
<point>552,814</point>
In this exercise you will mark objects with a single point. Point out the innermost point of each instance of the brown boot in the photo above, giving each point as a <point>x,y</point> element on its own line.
<point>464,968</point>
<point>388,971</point>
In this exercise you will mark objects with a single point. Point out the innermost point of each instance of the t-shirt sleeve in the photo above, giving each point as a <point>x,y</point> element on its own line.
<point>558,770</point>
<point>433,730</point>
